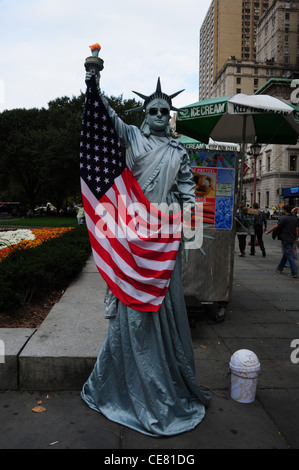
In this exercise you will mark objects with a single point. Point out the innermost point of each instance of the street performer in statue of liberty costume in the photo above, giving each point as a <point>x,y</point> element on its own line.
<point>144,377</point>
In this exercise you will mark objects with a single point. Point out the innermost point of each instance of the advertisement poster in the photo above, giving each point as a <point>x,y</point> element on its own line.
<point>214,178</point>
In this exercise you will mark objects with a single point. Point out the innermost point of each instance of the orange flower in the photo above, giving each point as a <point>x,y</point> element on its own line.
<point>41,235</point>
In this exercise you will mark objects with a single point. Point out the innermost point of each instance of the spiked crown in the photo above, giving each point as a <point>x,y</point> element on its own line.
<point>158,94</point>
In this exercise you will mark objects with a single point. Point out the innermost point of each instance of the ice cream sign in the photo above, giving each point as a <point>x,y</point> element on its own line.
<point>216,107</point>
<point>203,111</point>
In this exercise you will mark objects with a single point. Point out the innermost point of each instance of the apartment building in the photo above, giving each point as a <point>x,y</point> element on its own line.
<point>239,76</point>
<point>253,47</point>
<point>277,165</point>
<point>227,33</point>
<point>277,40</point>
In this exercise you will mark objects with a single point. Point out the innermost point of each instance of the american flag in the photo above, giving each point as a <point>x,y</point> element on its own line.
<point>134,244</point>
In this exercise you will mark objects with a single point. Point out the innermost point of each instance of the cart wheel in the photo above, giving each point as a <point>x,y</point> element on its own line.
<point>219,314</point>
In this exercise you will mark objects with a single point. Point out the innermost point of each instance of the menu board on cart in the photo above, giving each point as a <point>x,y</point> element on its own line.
<point>214,178</point>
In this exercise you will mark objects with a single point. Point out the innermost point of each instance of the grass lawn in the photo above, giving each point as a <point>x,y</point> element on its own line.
<point>41,222</point>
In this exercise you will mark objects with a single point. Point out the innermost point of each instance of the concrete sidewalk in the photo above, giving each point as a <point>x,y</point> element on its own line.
<point>51,364</point>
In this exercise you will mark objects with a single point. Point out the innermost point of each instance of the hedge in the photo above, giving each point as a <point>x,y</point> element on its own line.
<point>33,273</point>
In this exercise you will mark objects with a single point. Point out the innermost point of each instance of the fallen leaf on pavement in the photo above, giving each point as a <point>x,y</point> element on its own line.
<point>38,409</point>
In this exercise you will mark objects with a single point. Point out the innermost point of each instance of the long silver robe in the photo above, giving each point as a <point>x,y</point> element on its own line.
<point>144,377</point>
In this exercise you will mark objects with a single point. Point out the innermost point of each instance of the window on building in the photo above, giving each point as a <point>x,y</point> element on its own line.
<point>268,163</point>
<point>293,162</point>
<point>267,198</point>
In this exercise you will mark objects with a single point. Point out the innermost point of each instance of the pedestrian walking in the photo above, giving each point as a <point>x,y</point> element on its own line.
<point>260,221</point>
<point>289,226</point>
<point>80,213</point>
<point>244,227</point>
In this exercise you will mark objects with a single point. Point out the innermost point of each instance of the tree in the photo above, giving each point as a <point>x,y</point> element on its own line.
<point>23,134</point>
<point>40,148</point>
<point>121,107</point>
<point>61,162</point>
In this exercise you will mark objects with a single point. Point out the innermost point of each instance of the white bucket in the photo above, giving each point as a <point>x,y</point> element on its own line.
<point>245,368</point>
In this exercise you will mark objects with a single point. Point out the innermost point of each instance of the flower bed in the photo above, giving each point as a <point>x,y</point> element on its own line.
<point>55,257</point>
<point>12,240</point>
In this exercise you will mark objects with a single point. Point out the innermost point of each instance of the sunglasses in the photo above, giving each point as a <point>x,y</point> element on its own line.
<point>155,111</point>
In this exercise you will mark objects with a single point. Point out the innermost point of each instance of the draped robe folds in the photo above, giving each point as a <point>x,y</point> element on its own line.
<point>144,377</point>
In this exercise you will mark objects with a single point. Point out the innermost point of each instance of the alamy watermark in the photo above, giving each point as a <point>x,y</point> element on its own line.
<point>2,352</point>
<point>159,221</point>
<point>295,353</point>
<point>295,92</point>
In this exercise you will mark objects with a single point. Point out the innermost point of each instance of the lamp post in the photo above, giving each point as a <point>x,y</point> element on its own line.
<point>255,151</point>
<point>279,186</point>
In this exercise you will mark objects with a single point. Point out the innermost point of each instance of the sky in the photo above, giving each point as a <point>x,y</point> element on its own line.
<point>44,43</point>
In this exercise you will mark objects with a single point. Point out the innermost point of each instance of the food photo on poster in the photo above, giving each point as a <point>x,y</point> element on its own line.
<point>214,178</point>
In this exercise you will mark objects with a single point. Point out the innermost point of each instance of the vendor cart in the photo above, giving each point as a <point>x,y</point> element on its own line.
<point>207,272</point>
<point>242,119</point>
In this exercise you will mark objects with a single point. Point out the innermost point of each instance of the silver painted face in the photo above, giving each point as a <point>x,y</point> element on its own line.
<point>158,115</point>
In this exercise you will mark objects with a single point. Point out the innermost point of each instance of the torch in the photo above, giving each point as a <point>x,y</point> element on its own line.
<point>94,63</point>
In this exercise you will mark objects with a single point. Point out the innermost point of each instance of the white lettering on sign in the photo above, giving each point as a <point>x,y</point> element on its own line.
<point>208,110</point>
<point>239,109</point>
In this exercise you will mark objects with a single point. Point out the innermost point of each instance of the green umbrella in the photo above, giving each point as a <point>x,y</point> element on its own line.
<point>240,119</point>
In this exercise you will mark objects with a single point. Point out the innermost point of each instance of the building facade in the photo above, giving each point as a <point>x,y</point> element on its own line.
<point>277,165</point>
<point>228,32</point>
<point>253,47</point>
<point>278,37</point>
<point>238,76</point>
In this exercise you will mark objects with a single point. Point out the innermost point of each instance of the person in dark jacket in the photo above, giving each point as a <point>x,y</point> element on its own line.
<point>289,234</point>
<point>260,220</point>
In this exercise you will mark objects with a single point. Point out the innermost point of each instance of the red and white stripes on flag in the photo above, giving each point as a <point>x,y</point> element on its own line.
<point>134,243</point>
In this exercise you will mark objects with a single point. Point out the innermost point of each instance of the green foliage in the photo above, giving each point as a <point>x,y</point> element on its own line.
<point>121,107</point>
<point>45,221</point>
<point>22,137</point>
<point>33,273</point>
<point>39,152</point>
